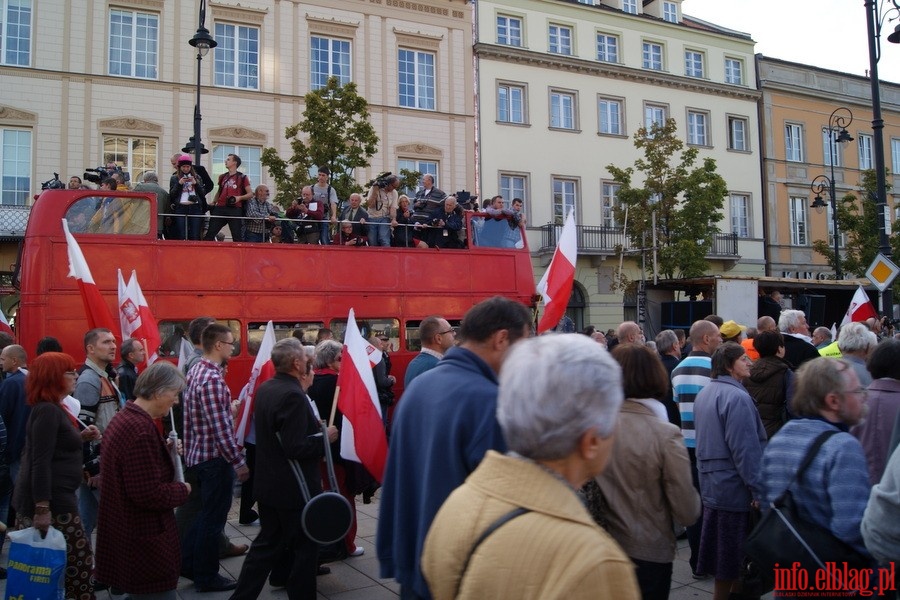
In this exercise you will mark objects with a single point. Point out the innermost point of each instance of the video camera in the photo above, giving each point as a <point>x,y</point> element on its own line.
<point>466,200</point>
<point>53,184</point>
<point>382,180</point>
<point>100,173</point>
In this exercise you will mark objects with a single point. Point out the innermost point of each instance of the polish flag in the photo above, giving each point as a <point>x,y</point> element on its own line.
<point>362,435</point>
<point>861,308</point>
<point>263,370</point>
<point>135,317</point>
<point>555,286</point>
<point>4,324</point>
<point>95,308</point>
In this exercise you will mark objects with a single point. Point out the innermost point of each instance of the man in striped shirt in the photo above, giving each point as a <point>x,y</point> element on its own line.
<point>688,378</point>
<point>212,458</point>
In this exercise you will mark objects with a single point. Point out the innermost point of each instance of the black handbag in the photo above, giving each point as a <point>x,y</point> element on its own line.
<point>782,537</point>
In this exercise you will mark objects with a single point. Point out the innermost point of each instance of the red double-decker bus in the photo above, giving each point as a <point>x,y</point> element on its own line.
<point>244,285</point>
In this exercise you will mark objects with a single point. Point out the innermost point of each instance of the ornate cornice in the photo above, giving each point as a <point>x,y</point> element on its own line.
<point>423,8</point>
<point>417,39</point>
<point>129,125</point>
<point>611,70</point>
<point>241,14</point>
<point>418,150</point>
<point>15,116</point>
<point>151,4</point>
<point>331,25</point>
<point>237,134</point>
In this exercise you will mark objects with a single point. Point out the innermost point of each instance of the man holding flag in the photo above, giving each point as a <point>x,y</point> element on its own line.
<point>443,427</point>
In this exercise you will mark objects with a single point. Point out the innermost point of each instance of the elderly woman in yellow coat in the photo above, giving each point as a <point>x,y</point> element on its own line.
<point>517,529</point>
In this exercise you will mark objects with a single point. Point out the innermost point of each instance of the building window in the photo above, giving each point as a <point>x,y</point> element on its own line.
<point>698,128</point>
<point>134,154</point>
<point>734,71</point>
<point>895,156</point>
<point>654,114</point>
<point>560,39</point>
<point>562,110</point>
<point>793,142</point>
<point>250,163</point>
<point>652,54</point>
<point>670,12</point>
<point>831,147</point>
<point>737,134</point>
<point>798,220</point>
<point>564,198</point>
<point>740,215</point>
<point>509,31</point>
<point>609,201</point>
<point>607,48</point>
<point>830,218</point>
<point>329,58</point>
<point>237,56</point>
<point>424,167</point>
<point>513,186</point>
<point>865,151</point>
<point>133,43</point>
<point>15,166</point>
<point>630,6</point>
<point>416,79</point>
<point>693,63</point>
<point>15,33</point>
<point>511,103</point>
<point>610,116</point>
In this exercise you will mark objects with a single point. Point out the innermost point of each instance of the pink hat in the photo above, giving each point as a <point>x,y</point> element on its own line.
<point>185,159</point>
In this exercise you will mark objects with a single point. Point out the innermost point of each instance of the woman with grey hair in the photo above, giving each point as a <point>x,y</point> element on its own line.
<point>559,420</point>
<point>856,343</point>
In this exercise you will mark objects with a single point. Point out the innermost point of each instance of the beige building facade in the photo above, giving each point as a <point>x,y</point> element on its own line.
<point>563,87</point>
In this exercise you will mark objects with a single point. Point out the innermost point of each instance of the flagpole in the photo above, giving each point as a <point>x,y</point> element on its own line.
<point>337,390</point>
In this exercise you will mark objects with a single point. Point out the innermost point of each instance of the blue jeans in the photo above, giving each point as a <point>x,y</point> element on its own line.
<point>88,506</point>
<point>187,227</point>
<point>379,231</point>
<point>200,549</point>
<point>5,501</point>
<point>324,228</point>
<point>252,236</point>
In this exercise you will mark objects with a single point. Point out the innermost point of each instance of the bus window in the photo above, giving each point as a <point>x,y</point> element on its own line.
<point>256,330</point>
<point>370,327</point>
<point>170,332</point>
<point>495,233</point>
<point>413,342</point>
<point>112,215</point>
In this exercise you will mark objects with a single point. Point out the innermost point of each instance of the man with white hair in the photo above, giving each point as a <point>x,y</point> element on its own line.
<point>797,346</point>
<point>542,542</point>
<point>856,343</point>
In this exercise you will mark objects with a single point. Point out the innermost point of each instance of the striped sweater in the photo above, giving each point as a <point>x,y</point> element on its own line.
<point>688,378</point>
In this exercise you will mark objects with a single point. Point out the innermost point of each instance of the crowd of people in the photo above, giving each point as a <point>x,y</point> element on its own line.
<point>557,466</point>
<point>194,207</point>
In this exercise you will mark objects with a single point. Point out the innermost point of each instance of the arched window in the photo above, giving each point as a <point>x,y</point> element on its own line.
<point>575,308</point>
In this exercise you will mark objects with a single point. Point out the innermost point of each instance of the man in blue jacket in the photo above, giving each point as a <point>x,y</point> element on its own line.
<point>443,426</point>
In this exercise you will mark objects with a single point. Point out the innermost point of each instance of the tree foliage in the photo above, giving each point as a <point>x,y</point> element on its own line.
<point>335,132</point>
<point>688,201</point>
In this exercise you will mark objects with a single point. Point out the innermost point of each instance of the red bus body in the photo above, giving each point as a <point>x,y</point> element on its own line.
<point>252,283</point>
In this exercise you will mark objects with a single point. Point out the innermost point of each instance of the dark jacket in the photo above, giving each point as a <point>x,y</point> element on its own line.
<point>137,541</point>
<point>282,407</point>
<point>361,230</point>
<point>127,378</point>
<point>768,385</point>
<point>797,351</point>
<point>14,410</point>
<point>448,235</point>
<point>670,362</point>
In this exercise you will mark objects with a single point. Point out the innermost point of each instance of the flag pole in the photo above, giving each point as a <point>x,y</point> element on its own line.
<point>337,390</point>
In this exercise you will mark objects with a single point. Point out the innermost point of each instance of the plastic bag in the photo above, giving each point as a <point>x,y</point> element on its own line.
<point>36,569</point>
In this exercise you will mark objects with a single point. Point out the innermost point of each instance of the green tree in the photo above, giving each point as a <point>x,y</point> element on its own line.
<point>335,132</point>
<point>687,200</point>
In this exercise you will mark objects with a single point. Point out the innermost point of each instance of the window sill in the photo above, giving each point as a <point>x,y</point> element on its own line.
<point>564,129</point>
<point>613,135</point>
<point>736,151</point>
<point>513,124</point>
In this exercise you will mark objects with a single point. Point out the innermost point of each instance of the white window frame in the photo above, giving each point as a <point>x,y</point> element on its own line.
<point>694,64</point>
<point>132,63</point>
<point>609,201</point>
<point>424,95</point>
<point>830,220</point>
<point>230,59</point>
<point>424,167</point>
<point>895,157</point>
<point>734,71</point>
<point>16,146</point>
<point>864,143</point>
<point>793,142</point>
<point>829,145</point>
<point>630,6</point>
<point>607,47</point>
<point>563,110</point>
<point>560,39</point>
<point>652,111</point>
<point>738,140</point>
<point>740,214</point>
<point>509,30</point>
<point>611,113</point>
<point>565,197</point>
<point>251,165</point>
<point>507,104</point>
<point>670,11</point>
<point>136,154</point>
<point>338,62</point>
<point>24,28</point>
<point>698,128</point>
<point>799,220</point>
<point>513,185</point>
<point>652,56</point>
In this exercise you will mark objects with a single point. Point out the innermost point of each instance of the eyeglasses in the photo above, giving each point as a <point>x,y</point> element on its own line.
<point>451,330</point>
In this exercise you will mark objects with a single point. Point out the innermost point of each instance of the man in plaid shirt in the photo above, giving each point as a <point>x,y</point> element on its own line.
<point>212,457</point>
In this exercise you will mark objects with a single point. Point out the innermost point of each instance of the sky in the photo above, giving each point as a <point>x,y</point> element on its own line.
<point>823,33</point>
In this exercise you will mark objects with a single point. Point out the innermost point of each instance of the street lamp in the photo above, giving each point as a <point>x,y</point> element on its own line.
<point>202,41</point>
<point>877,14</point>
<point>818,186</point>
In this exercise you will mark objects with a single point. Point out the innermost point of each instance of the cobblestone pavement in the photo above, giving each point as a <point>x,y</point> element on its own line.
<point>357,578</point>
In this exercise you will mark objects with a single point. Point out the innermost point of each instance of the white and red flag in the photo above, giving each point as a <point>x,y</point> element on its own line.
<point>263,370</point>
<point>95,308</point>
<point>362,435</point>
<point>861,308</point>
<point>4,324</point>
<point>136,319</point>
<point>555,286</point>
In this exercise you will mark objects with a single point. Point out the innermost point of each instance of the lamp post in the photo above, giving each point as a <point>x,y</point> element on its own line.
<point>202,41</point>
<point>818,186</point>
<point>877,14</point>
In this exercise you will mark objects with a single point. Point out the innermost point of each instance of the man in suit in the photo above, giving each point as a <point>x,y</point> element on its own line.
<point>282,407</point>
<point>357,215</point>
<point>797,344</point>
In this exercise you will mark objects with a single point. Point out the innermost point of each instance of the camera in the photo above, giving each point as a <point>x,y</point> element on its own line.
<point>230,201</point>
<point>383,179</point>
<point>100,173</point>
<point>53,184</point>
